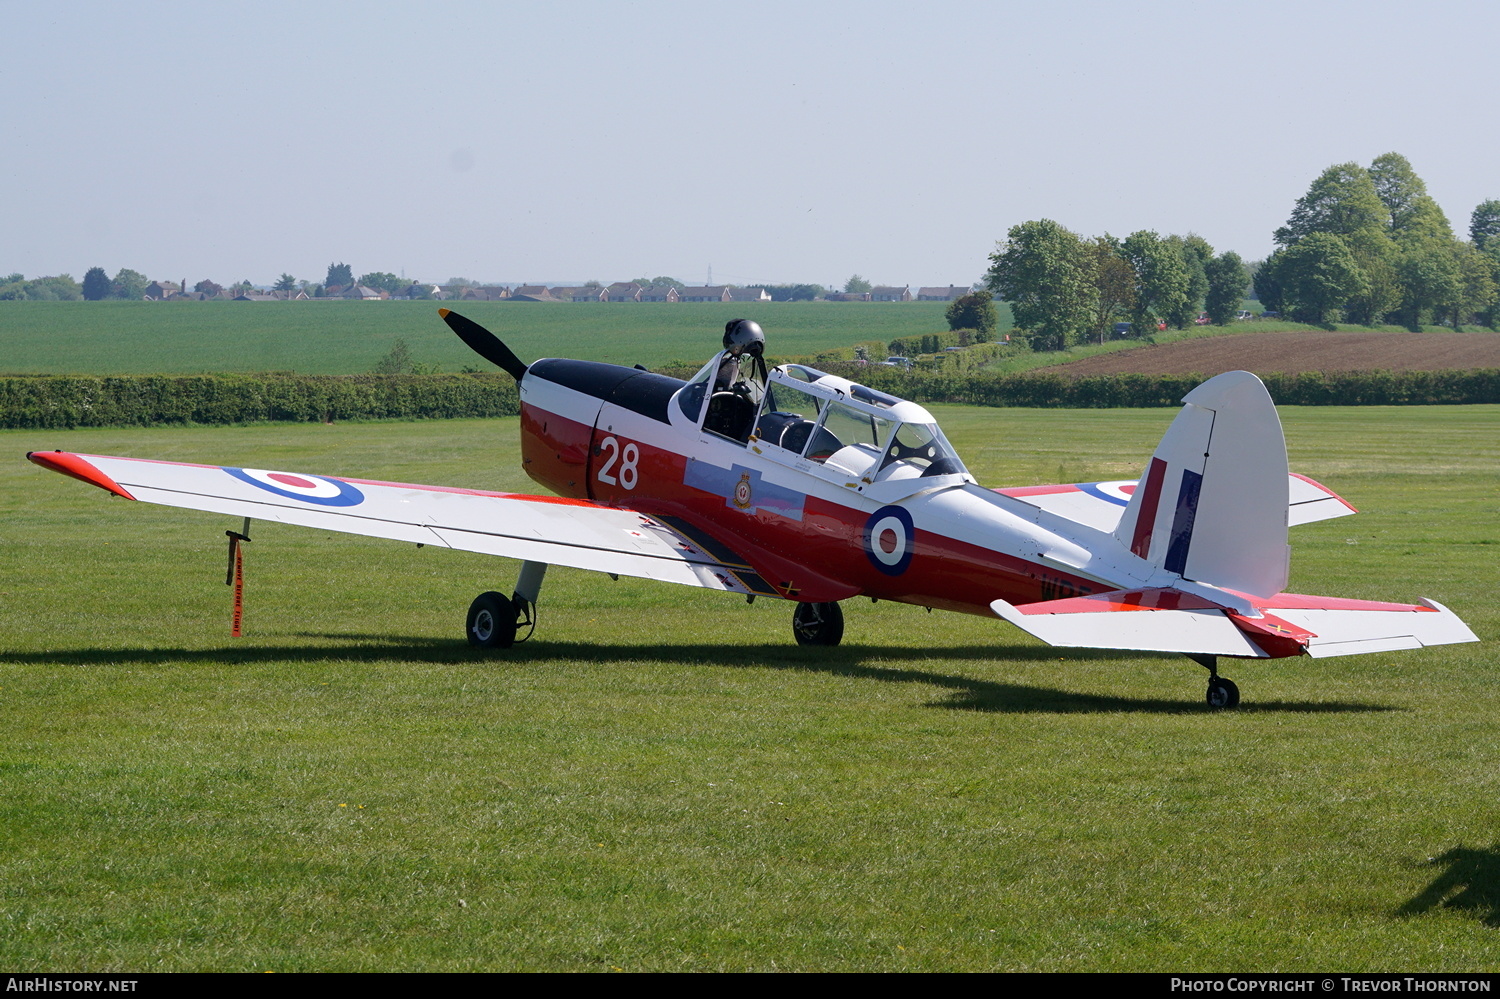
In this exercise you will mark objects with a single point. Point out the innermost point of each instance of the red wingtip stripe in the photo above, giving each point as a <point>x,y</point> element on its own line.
<point>72,465</point>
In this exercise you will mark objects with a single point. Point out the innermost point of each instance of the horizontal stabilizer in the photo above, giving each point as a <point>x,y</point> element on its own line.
<point>1141,620</point>
<point>1345,630</point>
<point>1100,504</point>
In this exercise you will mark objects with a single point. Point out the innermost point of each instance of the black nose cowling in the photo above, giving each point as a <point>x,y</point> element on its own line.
<point>484,343</point>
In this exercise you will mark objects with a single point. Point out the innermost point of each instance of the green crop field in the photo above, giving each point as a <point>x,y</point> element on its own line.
<point>337,337</point>
<point>662,780</point>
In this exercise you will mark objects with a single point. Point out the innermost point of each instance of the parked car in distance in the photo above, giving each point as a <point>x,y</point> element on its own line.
<point>898,362</point>
<point>1244,314</point>
<point>1122,329</point>
<point>1202,319</point>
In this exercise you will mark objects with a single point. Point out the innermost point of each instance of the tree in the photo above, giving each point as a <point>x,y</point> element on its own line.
<point>1484,223</point>
<point>95,284</point>
<point>382,281</point>
<point>1342,201</point>
<point>1196,253</point>
<point>1043,270</point>
<point>1226,278</point>
<point>1161,280</point>
<point>1268,284</point>
<point>208,287</point>
<point>1409,208</point>
<point>794,292</point>
<point>660,281</point>
<point>128,284</point>
<point>856,285</point>
<point>1478,288</point>
<point>1114,283</point>
<point>974,311</point>
<point>1319,275</point>
<point>339,274</point>
<point>1430,279</point>
<point>285,283</point>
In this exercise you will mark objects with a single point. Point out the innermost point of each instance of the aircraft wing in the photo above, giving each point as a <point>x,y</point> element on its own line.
<point>1100,504</point>
<point>546,529</point>
<point>1168,620</point>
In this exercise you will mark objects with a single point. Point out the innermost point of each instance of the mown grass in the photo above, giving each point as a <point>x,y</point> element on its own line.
<point>661,780</point>
<point>335,338</point>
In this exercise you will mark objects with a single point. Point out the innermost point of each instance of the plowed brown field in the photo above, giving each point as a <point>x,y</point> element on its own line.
<point>1299,351</point>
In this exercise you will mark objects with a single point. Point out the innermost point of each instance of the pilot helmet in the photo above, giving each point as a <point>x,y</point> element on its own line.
<point>745,334</point>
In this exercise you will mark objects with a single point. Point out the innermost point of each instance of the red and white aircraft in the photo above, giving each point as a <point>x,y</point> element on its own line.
<point>803,485</point>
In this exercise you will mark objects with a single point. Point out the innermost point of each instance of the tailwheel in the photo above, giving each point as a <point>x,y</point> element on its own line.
<point>492,621</point>
<point>818,624</point>
<point>1222,693</point>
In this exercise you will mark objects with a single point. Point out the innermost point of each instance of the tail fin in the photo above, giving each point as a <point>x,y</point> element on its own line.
<point>1212,504</point>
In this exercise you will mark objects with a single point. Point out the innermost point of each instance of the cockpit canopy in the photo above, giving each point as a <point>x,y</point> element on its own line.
<point>823,418</point>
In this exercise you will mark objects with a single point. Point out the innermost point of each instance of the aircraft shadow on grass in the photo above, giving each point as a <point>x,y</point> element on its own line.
<point>1469,882</point>
<point>967,693</point>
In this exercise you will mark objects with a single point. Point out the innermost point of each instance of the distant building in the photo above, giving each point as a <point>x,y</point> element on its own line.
<point>948,294</point>
<point>749,295</point>
<point>624,291</point>
<point>159,291</point>
<point>532,293</point>
<point>704,293</point>
<point>660,293</point>
<point>890,293</point>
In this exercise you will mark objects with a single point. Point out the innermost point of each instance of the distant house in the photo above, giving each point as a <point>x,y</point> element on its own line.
<point>158,291</point>
<point>847,296</point>
<point>364,293</point>
<point>705,293</point>
<point>890,293</point>
<point>749,295</point>
<point>660,293</point>
<point>581,294</point>
<point>532,293</point>
<point>624,291</point>
<point>947,294</point>
<point>477,293</point>
<point>258,296</point>
<point>417,290</point>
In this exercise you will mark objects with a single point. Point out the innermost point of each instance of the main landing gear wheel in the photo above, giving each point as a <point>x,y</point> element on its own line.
<point>1222,693</point>
<point>818,624</point>
<point>492,621</point>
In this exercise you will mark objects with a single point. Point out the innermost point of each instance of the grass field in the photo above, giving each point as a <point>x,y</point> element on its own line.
<point>335,338</point>
<point>662,780</point>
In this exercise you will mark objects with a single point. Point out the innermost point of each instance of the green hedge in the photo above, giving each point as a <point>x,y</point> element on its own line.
<point>63,401</point>
<point>48,401</point>
<point>1310,388</point>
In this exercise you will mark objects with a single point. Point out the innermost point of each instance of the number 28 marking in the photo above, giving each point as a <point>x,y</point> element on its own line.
<point>627,457</point>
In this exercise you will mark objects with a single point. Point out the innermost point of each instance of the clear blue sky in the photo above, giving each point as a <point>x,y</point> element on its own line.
<point>775,141</point>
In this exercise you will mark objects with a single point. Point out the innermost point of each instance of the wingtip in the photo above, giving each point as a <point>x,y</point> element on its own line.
<point>443,313</point>
<point>76,467</point>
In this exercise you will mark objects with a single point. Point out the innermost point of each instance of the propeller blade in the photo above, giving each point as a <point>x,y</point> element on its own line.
<point>484,343</point>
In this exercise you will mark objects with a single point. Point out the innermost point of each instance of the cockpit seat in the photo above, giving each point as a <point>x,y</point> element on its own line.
<point>856,459</point>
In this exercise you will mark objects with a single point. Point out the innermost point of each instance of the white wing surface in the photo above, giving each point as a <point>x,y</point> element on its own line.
<point>546,529</point>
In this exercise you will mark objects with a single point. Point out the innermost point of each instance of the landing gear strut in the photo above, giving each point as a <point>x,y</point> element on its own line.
<point>1222,693</point>
<point>818,624</point>
<point>494,619</point>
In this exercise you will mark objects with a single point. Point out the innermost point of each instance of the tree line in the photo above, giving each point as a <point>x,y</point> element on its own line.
<point>1370,245</point>
<point>1066,289</point>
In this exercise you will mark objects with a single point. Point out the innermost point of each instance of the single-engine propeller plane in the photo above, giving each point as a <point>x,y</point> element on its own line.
<point>805,486</point>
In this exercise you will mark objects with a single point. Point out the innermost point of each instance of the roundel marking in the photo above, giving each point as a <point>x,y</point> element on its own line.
<point>307,488</point>
<point>1117,492</point>
<point>888,540</point>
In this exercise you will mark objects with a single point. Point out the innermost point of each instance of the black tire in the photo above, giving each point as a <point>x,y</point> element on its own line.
<point>818,624</point>
<point>492,622</point>
<point>1222,693</point>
